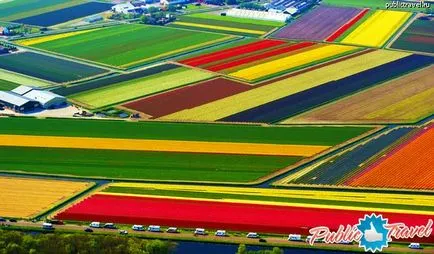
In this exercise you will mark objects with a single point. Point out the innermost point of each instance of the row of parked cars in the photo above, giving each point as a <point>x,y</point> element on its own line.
<point>198,231</point>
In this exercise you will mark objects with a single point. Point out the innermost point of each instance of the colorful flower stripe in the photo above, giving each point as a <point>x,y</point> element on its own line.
<point>37,40</point>
<point>292,61</point>
<point>160,145</point>
<point>345,27</point>
<point>223,54</point>
<point>264,55</point>
<point>368,197</point>
<point>409,166</point>
<point>255,97</point>
<point>378,28</point>
<point>213,215</point>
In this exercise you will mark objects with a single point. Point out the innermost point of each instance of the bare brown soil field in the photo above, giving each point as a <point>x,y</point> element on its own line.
<point>402,100</point>
<point>187,97</point>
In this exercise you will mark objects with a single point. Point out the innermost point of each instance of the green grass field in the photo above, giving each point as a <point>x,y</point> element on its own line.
<point>22,80</point>
<point>322,135</point>
<point>130,45</point>
<point>136,88</point>
<point>303,199</point>
<point>17,9</point>
<point>141,165</point>
<point>375,4</point>
<point>7,85</point>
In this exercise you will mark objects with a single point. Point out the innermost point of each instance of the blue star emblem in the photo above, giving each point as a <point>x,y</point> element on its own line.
<point>374,233</point>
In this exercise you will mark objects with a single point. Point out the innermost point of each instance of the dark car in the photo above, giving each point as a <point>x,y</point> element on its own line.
<point>2,219</point>
<point>89,230</point>
<point>110,226</point>
<point>56,222</point>
<point>12,220</point>
<point>262,240</point>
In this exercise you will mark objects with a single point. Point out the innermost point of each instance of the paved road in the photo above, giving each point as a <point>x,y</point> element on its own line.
<point>233,239</point>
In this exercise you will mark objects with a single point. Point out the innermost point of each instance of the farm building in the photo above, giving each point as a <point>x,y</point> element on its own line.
<point>45,98</point>
<point>126,8</point>
<point>292,7</point>
<point>261,15</point>
<point>17,103</point>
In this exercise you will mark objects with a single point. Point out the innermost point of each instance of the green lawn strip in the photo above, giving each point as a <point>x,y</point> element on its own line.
<point>221,47</point>
<point>127,44</point>
<point>175,25</point>
<point>208,195</point>
<point>141,165</point>
<point>7,85</point>
<point>375,4</point>
<point>237,20</point>
<point>13,10</point>
<point>228,24</point>
<point>354,26</point>
<point>23,80</point>
<point>303,135</point>
<point>136,88</point>
<point>277,74</point>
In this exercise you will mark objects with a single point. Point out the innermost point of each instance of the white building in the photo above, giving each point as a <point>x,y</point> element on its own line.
<point>45,98</point>
<point>261,15</point>
<point>125,8</point>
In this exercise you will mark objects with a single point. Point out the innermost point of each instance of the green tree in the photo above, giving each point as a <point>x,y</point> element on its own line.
<point>242,249</point>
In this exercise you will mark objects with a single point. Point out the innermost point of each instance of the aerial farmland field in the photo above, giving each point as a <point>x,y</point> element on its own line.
<point>187,97</point>
<point>136,88</point>
<point>386,103</point>
<point>13,10</point>
<point>48,68</point>
<point>126,46</point>
<point>214,214</point>
<point>224,24</point>
<point>419,36</point>
<point>60,16</point>
<point>377,29</point>
<point>319,24</point>
<point>253,98</point>
<point>26,197</point>
<point>217,126</point>
<point>398,168</point>
<point>145,147</point>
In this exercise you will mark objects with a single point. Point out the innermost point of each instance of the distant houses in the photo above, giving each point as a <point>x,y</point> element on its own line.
<point>25,98</point>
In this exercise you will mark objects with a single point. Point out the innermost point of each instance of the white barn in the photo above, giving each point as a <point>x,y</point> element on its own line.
<point>45,98</point>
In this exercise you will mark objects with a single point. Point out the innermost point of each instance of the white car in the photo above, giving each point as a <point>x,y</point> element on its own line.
<point>252,235</point>
<point>172,230</point>
<point>414,246</point>
<point>138,228</point>
<point>294,237</point>
<point>95,224</point>
<point>153,228</point>
<point>220,233</point>
<point>200,231</point>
